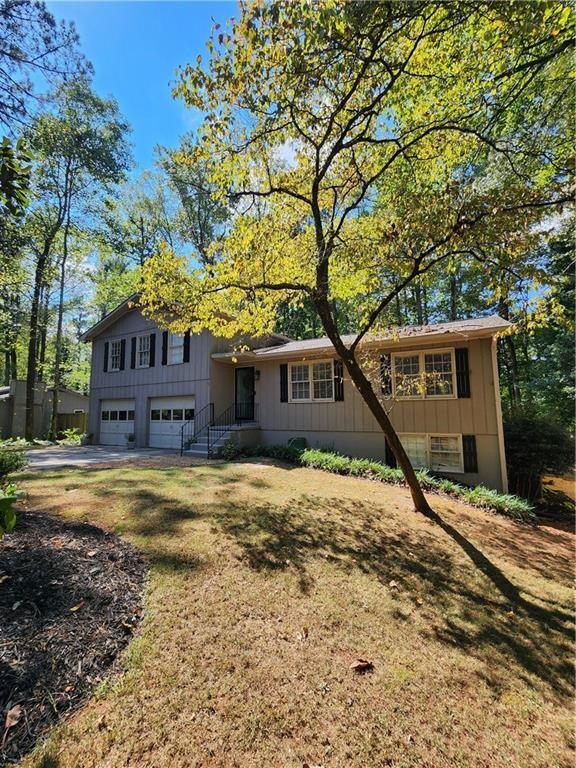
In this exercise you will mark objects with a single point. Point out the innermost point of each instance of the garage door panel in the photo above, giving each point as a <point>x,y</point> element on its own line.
<point>116,421</point>
<point>166,418</point>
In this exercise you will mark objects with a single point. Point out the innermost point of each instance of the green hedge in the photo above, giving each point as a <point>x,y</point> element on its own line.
<point>11,461</point>
<point>316,458</point>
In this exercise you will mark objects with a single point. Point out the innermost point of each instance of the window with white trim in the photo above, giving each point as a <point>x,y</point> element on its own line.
<point>427,374</point>
<point>415,447</point>
<point>175,348</point>
<point>323,381</point>
<point>440,453</point>
<point>300,382</point>
<point>446,453</point>
<point>115,355</point>
<point>143,351</point>
<point>312,382</point>
<point>439,374</point>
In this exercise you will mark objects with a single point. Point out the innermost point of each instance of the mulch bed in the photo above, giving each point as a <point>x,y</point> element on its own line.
<point>70,600</point>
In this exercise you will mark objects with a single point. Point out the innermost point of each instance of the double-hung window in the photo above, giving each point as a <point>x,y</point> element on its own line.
<point>300,382</point>
<point>424,375</point>
<point>446,453</point>
<point>143,351</point>
<point>441,453</point>
<point>312,382</point>
<point>175,348</point>
<point>115,355</point>
<point>439,372</point>
<point>323,381</point>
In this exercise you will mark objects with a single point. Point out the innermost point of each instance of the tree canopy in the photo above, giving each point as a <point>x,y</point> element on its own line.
<point>363,145</point>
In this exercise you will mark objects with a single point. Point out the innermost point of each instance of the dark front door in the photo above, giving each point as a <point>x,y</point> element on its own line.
<point>244,394</point>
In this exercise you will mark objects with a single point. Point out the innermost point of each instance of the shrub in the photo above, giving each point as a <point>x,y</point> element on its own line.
<point>8,496</point>
<point>229,450</point>
<point>71,436</point>
<point>504,503</point>
<point>284,453</point>
<point>331,462</point>
<point>318,458</point>
<point>535,446</point>
<point>11,461</point>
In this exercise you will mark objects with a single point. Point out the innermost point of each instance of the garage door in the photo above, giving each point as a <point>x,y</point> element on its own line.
<point>167,415</point>
<point>116,421</point>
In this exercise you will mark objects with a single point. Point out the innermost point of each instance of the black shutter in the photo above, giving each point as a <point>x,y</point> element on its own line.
<point>283,382</point>
<point>164,347</point>
<point>338,381</point>
<point>133,353</point>
<point>462,372</point>
<point>186,351</point>
<point>470,453</point>
<point>122,353</point>
<point>390,459</point>
<point>386,374</point>
<point>106,348</point>
<point>152,362</point>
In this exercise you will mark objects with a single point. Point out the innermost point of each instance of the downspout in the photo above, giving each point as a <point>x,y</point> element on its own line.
<point>499,422</point>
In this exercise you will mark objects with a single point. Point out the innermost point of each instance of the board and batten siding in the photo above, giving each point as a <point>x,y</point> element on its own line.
<point>349,426</point>
<point>142,384</point>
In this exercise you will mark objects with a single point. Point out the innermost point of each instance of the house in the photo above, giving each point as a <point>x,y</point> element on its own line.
<point>72,409</point>
<point>194,392</point>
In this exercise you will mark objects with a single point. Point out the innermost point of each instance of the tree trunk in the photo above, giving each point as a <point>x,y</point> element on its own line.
<point>31,367</point>
<point>369,396</point>
<point>399,316</point>
<point>418,302</point>
<point>43,331</point>
<point>7,376</point>
<point>453,298</point>
<point>58,350</point>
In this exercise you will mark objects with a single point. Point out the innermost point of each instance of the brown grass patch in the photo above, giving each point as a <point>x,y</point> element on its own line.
<point>267,582</point>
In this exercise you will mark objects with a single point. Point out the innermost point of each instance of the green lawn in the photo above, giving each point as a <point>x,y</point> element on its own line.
<point>267,582</point>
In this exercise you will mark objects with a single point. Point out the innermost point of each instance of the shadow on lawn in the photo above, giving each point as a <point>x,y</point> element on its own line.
<point>474,606</point>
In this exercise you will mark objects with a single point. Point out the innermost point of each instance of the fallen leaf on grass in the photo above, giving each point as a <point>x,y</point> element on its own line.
<point>77,606</point>
<point>4,578</point>
<point>13,716</point>
<point>361,666</point>
<point>92,553</point>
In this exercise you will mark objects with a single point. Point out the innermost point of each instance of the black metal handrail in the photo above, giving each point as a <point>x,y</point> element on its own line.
<point>235,414</point>
<point>192,429</point>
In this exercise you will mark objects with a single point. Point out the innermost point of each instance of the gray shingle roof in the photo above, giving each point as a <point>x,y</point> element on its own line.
<point>463,328</point>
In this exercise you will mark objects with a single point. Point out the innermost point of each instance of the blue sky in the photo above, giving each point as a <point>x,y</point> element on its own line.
<point>135,48</point>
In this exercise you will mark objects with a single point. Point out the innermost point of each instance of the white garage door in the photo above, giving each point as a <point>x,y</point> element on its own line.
<point>116,421</point>
<point>167,415</point>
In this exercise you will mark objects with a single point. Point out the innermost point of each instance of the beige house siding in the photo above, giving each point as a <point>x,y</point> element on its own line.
<point>349,426</point>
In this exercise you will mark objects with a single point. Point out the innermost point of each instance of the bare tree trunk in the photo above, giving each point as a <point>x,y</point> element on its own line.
<point>369,396</point>
<point>43,331</point>
<point>509,349</point>
<point>58,351</point>
<point>418,302</point>
<point>399,316</point>
<point>31,368</point>
<point>453,298</point>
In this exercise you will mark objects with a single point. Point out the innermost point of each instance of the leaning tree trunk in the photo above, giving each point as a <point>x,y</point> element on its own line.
<point>369,396</point>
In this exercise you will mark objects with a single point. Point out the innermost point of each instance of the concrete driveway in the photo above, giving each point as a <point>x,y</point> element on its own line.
<point>59,456</point>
